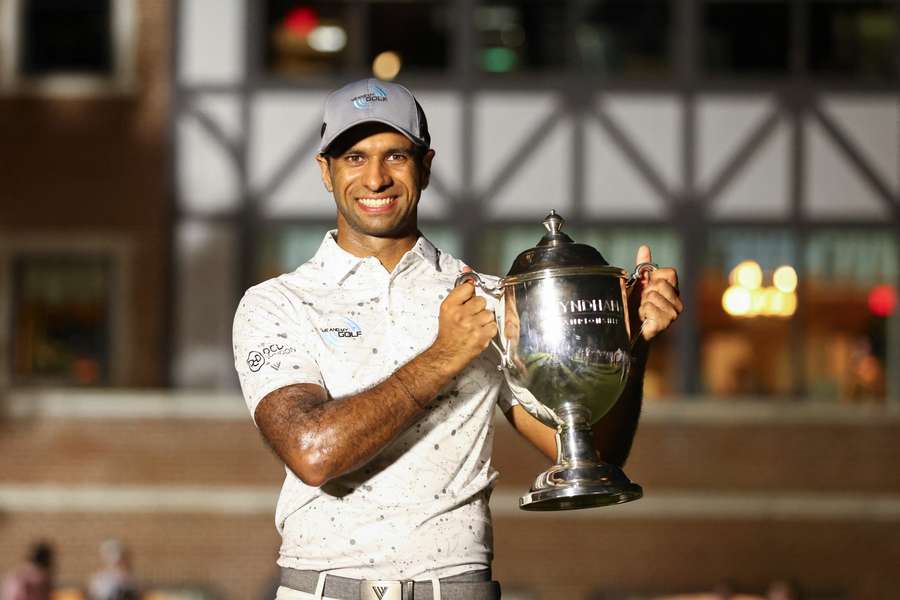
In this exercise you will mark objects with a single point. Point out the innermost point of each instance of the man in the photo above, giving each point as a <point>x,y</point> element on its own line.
<point>34,579</point>
<point>115,581</point>
<point>366,373</point>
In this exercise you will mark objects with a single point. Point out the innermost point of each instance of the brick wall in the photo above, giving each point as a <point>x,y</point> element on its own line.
<point>97,167</point>
<point>850,551</point>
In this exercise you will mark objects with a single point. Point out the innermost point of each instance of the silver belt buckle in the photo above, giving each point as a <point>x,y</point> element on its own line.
<point>380,589</point>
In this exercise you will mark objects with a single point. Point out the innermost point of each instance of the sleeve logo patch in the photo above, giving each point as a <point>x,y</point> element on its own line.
<point>258,358</point>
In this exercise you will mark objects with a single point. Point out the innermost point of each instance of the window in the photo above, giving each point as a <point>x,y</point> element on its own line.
<point>849,296</point>
<point>67,47</point>
<point>304,38</point>
<point>66,36</point>
<point>741,312</point>
<point>745,38</point>
<point>328,37</point>
<point>417,33</point>
<point>825,331</point>
<point>61,320</point>
<point>520,35</point>
<point>853,39</point>
<point>626,38</point>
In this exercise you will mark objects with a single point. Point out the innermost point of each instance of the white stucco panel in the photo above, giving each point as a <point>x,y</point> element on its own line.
<point>444,113</point>
<point>224,109</point>
<point>206,280</point>
<point>503,122</point>
<point>541,182</point>
<point>284,136</point>
<point>834,187</point>
<point>654,125</point>
<point>614,188</point>
<point>761,190</point>
<point>210,44</point>
<point>873,125</point>
<point>724,123</point>
<point>206,175</point>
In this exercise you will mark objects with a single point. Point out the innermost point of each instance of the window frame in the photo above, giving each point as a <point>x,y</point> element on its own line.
<point>123,80</point>
<point>118,250</point>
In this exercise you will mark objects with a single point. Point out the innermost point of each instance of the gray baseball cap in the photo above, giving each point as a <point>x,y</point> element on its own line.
<point>371,100</point>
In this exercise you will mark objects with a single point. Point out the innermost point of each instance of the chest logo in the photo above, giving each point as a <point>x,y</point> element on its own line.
<point>335,336</point>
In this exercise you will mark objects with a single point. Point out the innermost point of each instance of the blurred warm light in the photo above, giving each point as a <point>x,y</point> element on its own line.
<point>387,65</point>
<point>747,274</point>
<point>328,38</point>
<point>882,300</point>
<point>736,301</point>
<point>301,21</point>
<point>785,278</point>
<point>747,298</point>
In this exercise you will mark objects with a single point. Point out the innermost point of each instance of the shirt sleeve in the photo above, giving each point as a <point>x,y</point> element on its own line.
<point>273,344</point>
<point>506,399</point>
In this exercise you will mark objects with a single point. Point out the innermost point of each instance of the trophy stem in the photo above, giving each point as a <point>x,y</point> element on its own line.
<point>579,479</point>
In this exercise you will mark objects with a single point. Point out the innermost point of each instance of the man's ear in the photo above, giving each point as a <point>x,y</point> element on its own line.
<point>426,167</point>
<point>326,171</point>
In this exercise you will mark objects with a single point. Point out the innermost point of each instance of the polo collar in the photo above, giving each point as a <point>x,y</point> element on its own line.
<point>337,264</point>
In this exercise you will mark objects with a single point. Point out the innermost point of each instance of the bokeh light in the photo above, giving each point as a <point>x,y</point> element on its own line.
<point>785,278</point>
<point>387,65</point>
<point>747,274</point>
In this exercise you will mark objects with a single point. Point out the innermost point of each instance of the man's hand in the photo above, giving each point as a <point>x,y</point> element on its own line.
<point>656,297</point>
<point>465,328</point>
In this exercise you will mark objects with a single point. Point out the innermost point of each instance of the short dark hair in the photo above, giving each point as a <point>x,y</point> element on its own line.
<point>41,555</point>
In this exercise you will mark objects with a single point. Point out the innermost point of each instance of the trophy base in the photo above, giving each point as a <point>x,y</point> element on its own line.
<point>585,485</point>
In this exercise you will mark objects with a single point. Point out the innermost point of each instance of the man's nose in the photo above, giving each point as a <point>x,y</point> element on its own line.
<point>377,176</point>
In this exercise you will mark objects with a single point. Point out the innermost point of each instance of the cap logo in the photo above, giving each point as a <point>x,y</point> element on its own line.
<point>376,95</point>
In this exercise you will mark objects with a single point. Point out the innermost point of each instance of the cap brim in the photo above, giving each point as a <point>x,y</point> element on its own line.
<point>327,142</point>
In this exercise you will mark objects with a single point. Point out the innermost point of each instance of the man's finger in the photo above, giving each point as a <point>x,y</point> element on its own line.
<point>461,293</point>
<point>643,255</point>
<point>666,274</point>
<point>668,294</point>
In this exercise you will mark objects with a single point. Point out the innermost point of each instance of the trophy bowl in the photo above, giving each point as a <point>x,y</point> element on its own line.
<point>565,345</point>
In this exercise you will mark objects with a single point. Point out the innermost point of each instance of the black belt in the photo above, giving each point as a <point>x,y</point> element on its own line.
<point>475,585</point>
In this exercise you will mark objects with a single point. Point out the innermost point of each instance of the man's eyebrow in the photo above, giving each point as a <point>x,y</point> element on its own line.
<point>396,150</point>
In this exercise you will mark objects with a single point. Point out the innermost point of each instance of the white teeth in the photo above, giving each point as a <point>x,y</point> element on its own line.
<point>375,202</point>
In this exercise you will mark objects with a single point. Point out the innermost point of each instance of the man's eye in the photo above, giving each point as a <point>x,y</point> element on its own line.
<point>397,156</point>
<point>353,158</point>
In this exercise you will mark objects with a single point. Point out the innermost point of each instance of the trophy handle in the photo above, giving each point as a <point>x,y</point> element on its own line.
<point>636,275</point>
<point>496,292</point>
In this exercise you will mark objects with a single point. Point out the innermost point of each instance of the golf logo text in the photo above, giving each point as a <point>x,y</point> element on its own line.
<point>335,336</point>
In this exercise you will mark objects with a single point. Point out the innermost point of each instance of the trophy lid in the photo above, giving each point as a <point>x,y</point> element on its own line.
<point>556,251</point>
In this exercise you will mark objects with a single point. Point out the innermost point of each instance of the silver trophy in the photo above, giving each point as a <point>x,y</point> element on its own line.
<point>565,346</point>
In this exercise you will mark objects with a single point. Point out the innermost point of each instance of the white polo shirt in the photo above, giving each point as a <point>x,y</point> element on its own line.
<point>419,508</point>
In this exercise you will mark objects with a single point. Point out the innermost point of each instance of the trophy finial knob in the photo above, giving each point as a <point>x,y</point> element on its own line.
<point>553,222</point>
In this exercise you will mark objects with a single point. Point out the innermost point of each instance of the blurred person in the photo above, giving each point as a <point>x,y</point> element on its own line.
<point>365,372</point>
<point>114,581</point>
<point>781,589</point>
<point>33,580</point>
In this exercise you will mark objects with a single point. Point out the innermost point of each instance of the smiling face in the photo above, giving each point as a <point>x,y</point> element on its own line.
<point>376,176</point>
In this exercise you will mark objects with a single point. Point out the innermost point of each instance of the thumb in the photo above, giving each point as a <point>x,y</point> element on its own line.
<point>643,255</point>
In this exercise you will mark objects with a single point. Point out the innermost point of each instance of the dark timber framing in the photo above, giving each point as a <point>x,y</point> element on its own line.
<point>797,100</point>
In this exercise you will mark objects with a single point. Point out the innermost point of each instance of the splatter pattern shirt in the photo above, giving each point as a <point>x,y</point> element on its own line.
<point>419,508</point>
